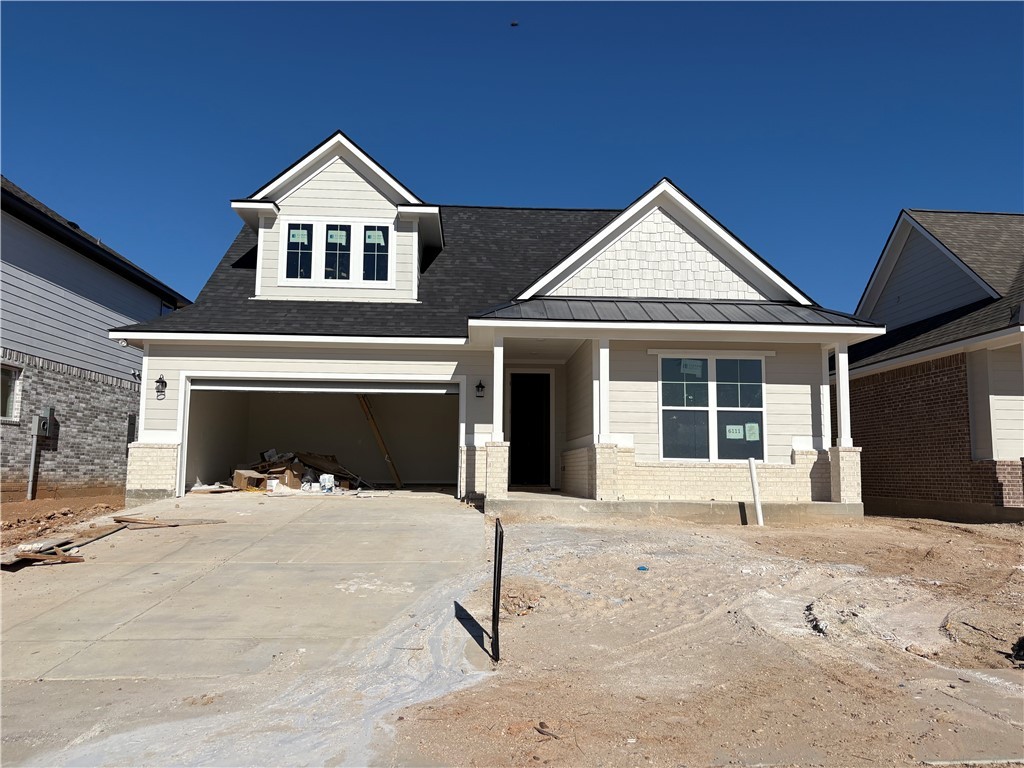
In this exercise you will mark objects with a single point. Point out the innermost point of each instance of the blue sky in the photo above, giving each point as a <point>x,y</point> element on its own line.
<point>804,128</point>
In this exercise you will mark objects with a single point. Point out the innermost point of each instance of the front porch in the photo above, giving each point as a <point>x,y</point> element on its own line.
<point>601,429</point>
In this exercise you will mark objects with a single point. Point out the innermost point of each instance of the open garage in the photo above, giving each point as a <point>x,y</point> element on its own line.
<point>231,422</point>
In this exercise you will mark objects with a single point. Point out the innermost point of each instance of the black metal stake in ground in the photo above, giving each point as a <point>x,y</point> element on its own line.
<point>499,549</point>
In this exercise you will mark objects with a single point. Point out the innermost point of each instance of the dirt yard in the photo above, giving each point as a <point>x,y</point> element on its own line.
<point>881,642</point>
<point>42,518</point>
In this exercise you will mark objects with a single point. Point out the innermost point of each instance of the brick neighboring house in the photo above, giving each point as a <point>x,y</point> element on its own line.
<point>938,402</point>
<point>62,290</point>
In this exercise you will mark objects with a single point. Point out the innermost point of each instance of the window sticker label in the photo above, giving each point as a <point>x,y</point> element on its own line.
<point>691,367</point>
<point>338,237</point>
<point>297,236</point>
<point>753,432</point>
<point>374,237</point>
<point>734,431</point>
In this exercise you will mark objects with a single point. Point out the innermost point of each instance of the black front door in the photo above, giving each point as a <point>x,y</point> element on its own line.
<point>530,422</point>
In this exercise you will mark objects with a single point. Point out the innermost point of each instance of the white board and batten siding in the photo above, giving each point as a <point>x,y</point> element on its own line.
<point>60,305</point>
<point>793,384</point>
<point>341,194</point>
<point>1006,401</point>
<point>924,283</point>
<point>298,363</point>
<point>658,258</point>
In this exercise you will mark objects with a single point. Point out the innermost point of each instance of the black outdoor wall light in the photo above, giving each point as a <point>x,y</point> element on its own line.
<point>161,387</point>
<point>480,388</point>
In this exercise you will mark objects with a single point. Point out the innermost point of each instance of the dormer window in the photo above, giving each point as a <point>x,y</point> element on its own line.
<point>300,252</point>
<point>338,252</point>
<point>334,253</point>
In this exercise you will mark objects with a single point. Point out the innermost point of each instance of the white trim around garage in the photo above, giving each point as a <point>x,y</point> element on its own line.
<point>284,338</point>
<point>185,389</point>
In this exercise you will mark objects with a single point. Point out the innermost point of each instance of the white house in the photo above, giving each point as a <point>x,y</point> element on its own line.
<point>643,353</point>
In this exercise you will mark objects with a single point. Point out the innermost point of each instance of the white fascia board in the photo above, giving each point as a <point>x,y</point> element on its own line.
<point>249,338</point>
<point>891,254</point>
<point>595,328</point>
<point>250,211</point>
<point>994,340</point>
<point>335,144</point>
<point>664,189</point>
<point>429,219</point>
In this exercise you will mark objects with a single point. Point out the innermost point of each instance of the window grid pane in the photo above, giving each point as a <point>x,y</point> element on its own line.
<point>300,251</point>
<point>338,252</point>
<point>7,386</point>
<point>375,253</point>
<point>685,434</point>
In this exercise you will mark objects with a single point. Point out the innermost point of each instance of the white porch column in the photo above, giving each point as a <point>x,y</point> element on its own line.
<point>842,356</point>
<point>603,377</point>
<point>826,403</point>
<point>498,382</point>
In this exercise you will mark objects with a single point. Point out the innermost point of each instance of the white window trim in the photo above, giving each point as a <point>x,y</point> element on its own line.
<point>357,226</point>
<point>712,407</point>
<point>15,417</point>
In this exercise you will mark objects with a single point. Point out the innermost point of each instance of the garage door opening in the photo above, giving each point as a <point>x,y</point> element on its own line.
<point>229,428</point>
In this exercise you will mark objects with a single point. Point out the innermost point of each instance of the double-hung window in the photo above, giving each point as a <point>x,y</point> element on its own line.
<point>334,253</point>
<point>712,408</point>
<point>10,393</point>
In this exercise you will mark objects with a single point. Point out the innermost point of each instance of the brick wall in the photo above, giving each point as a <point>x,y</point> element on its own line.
<point>999,483</point>
<point>616,476</point>
<point>89,452</point>
<point>496,484</point>
<point>577,471</point>
<point>913,424</point>
<point>152,472</point>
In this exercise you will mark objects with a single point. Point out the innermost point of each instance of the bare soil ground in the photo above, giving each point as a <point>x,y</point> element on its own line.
<point>878,642</point>
<point>24,521</point>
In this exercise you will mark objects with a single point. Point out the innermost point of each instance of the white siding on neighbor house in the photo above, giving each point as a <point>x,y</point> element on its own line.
<point>579,389</point>
<point>658,258</point>
<point>924,282</point>
<point>339,192</point>
<point>59,305</point>
<point>793,384</point>
<point>324,364</point>
<point>1006,380</point>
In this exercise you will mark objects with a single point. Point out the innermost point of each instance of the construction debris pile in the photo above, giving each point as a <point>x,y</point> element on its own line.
<point>279,472</point>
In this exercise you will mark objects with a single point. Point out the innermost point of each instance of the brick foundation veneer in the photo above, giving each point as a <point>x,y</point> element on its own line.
<point>89,454</point>
<point>914,426</point>
<point>614,474</point>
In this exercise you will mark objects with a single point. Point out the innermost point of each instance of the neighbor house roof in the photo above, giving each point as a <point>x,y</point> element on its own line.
<point>989,244</point>
<point>20,204</point>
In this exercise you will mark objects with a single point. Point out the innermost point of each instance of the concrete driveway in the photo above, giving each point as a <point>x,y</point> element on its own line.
<point>168,624</point>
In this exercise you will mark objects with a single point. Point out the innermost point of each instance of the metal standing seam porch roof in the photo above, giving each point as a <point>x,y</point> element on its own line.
<point>670,311</point>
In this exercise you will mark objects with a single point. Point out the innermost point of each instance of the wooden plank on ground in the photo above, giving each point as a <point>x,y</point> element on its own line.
<point>52,557</point>
<point>136,523</point>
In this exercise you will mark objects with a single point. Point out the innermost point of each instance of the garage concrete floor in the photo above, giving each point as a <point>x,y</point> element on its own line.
<point>290,597</point>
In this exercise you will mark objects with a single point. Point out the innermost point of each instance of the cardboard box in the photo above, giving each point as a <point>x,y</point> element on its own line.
<point>246,479</point>
<point>293,475</point>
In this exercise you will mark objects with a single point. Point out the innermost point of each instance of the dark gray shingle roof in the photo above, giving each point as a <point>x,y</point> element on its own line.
<point>670,311</point>
<point>490,256</point>
<point>992,245</point>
